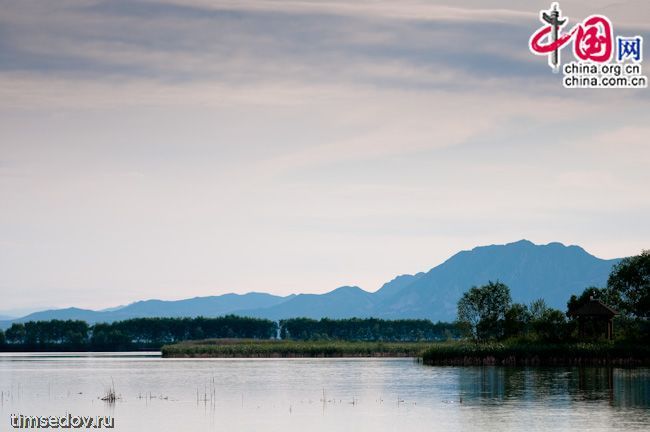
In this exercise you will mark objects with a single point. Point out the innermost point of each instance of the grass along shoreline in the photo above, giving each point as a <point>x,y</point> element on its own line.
<point>251,348</point>
<point>537,354</point>
<point>451,353</point>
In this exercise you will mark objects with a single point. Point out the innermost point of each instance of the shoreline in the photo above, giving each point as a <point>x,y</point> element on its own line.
<point>217,348</point>
<point>454,353</point>
<point>538,354</point>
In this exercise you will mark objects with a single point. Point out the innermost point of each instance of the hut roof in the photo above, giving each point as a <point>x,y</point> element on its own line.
<point>595,307</point>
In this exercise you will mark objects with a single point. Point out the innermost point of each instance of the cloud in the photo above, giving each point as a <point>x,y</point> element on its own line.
<point>149,146</point>
<point>627,13</point>
<point>261,42</point>
<point>420,46</point>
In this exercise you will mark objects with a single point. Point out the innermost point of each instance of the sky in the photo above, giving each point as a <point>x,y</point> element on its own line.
<point>179,148</point>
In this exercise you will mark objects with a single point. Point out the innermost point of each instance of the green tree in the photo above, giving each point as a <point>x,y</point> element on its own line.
<point>538,309</point>
<point>108,337</point>
<point>516,320</point>
<point>371,329</point>
<point>606,295</point>
<point>482,310</point>
<point>549,325</point>
<point>16,334</point>
<point>2,338</point>
<point>630,280</point>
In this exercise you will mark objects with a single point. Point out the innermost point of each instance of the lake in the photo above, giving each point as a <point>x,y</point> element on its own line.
<point>321,394</point>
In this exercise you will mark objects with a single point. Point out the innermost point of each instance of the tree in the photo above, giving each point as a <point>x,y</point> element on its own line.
<point>109,337</point>
<point>16,334</point>
<point>537,309</point>
<point>546,323</point>
<point>2,338</point>
<point>606,295</point>
<point>371,329</point>
<point>483,309</point>
<point>630,280</point>
<point>516,320</point>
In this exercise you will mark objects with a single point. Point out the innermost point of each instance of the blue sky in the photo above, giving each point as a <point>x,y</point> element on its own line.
<point>170,149</point>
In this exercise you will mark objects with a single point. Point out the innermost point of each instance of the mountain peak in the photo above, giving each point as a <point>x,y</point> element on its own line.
<point>347,291</point>
<point>522,242</point>
<point>553,271</point>
<point>525,244</point>
<point>347,288</point>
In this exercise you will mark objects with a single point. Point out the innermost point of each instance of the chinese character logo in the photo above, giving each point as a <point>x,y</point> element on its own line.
<point>594,50</point>
<point>629,48</point>
<point>550,31</point>
<point>592,38</point>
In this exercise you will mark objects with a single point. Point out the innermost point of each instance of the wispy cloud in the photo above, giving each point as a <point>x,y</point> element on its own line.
<point>149,145</point>
<point>205,41</point>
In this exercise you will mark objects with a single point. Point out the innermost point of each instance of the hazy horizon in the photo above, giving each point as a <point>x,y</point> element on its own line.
<point>171,149</point>
<point>15,313</point>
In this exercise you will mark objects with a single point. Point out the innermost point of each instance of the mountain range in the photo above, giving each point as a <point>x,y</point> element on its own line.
<point>552,272</point>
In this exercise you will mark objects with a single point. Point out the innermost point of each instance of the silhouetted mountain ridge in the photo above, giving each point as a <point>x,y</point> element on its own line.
<point>553,272</point>
<point>211,306</point>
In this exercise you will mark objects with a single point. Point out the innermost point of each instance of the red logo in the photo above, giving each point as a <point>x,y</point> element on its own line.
<point>593,38</point>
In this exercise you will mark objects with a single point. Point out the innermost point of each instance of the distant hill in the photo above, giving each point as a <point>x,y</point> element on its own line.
<point>552,272</point>
<point>343,302</point>
<point>199,306</point>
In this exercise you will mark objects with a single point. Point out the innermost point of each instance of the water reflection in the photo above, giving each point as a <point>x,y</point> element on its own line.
<point>628,388</point>
<point>168,395</point>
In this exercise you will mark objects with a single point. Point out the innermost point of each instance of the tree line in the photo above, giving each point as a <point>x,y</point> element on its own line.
<point>137,333</point>
<point>484,313</point>
<point>488,313</point>
<point>152,333</point>
<point>367,329</point>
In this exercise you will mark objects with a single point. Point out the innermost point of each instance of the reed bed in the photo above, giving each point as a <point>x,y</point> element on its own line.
<point>537,354</point>
<point>110,395</point>
<point>246,348</point>
<point>457,353</point>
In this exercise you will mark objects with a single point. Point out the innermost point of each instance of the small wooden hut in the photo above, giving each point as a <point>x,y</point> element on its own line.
<point>596,312</point>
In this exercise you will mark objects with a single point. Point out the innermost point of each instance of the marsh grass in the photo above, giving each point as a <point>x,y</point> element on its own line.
<point>507,353</point>
<point>110,395</point>
<point>513,353</point>
<point>248,348</point>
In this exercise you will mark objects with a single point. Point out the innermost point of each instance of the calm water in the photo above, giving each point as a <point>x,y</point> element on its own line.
<point>287,394</point>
